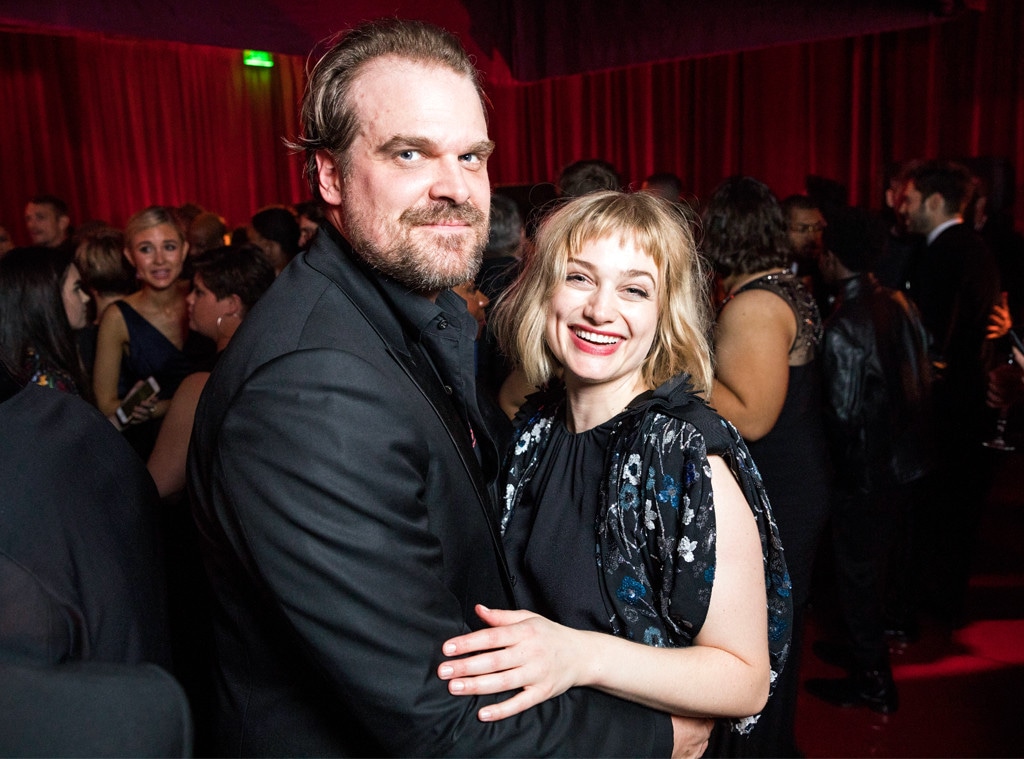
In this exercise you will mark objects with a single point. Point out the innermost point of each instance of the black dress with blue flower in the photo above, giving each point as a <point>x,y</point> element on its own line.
<point>613,529</point>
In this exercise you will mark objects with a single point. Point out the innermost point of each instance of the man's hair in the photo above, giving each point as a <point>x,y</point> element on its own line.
<point>278,223</point>
<point>743,228</point>
<point>849,237</point>
<point>653,225</point>
<point>310,209</point>
<point>206,231</point>
<point>797,202</point>
<point>506,227</point>
<point>53,201</point>
<point>586,176</point>
<point>668,184</point>
<point>240,270</point>
<point>100,259</point>
<point>952,181</point>
<point>328,114</point>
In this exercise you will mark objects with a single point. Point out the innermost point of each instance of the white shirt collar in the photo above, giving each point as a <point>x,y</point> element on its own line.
<point>942,228</point>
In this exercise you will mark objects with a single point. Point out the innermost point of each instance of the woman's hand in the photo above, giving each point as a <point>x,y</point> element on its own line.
<point>519,650</point>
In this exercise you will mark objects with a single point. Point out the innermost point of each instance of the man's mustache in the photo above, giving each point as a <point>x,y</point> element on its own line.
<point>444,213</point>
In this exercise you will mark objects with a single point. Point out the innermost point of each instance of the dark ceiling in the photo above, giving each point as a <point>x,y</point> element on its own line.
<point>523,40</point>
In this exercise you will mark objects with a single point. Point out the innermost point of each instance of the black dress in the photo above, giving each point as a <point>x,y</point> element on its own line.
<point>793,460</point>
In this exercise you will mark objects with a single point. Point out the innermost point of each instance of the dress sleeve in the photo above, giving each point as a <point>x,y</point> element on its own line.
<point>679,487</point>
<point>658,536</point>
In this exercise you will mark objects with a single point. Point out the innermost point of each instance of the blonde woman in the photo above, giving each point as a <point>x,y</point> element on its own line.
<point>146,333</point>
<point>622,453</point>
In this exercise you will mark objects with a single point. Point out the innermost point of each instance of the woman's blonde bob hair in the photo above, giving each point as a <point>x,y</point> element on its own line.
<point>653,225</point>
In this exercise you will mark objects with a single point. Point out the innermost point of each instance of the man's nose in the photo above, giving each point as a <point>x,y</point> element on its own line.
<point>450,181</point>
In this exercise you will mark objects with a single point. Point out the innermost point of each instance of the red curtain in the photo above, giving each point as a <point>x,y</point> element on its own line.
<point>114,125</point>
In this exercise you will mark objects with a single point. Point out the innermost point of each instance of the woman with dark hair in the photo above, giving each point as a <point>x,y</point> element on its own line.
<point>226,282</point>
<point>42,302</point>
<point>767,384</point>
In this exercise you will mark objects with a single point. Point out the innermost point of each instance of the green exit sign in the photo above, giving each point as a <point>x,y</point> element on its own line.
<point>260,58</point>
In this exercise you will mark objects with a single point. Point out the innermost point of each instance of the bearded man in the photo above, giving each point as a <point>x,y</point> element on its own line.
<point>341,461</point>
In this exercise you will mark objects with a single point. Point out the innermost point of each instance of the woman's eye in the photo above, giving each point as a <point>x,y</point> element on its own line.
<point>637,292</point>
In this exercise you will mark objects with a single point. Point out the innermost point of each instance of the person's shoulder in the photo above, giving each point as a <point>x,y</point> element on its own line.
<point>675,412</point>
<point>60,427</point>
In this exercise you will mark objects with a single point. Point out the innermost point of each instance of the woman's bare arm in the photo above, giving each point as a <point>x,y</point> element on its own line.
<point>110,341</point>
<point>724,674</point>
<point>167,461</point>
<point>753,337</point>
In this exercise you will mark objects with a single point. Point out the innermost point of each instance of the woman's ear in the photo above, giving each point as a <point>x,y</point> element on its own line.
<point>237,308</point>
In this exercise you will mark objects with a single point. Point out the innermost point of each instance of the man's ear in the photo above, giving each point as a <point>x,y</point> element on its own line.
<point>329,177</point>
<point>935,203</point>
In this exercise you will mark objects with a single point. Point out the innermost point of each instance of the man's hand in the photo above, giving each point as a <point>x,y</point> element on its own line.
<point>999,319</point>
<point>690,736</point>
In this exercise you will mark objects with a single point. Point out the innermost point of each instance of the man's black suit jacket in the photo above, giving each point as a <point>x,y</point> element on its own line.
<point>955,283</point>
<point>345,525</point>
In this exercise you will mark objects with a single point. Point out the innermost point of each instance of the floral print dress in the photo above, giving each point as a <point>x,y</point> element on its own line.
<point>614,530</point>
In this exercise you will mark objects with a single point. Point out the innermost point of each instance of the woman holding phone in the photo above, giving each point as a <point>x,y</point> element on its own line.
<point>146,333</point>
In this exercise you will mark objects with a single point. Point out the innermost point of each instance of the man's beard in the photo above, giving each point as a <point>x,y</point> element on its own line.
<point>429,265</point>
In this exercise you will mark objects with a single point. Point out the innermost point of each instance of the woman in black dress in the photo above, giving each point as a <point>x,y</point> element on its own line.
<point>633,513</point>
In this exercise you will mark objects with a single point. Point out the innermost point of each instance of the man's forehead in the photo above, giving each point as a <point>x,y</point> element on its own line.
<point>807,213</point>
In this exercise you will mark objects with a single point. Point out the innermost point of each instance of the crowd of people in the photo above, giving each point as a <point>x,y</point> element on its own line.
<point>408,469</point>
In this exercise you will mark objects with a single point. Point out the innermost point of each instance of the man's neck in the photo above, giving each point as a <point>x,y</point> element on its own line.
<point>942,226</point>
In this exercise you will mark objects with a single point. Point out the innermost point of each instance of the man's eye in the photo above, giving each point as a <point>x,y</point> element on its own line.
<point>409,155</point>
<point>470,158</point>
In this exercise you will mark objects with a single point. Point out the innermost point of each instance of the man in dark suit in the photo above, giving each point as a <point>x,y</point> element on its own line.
<point>955,283</point>
<point>340,460</point>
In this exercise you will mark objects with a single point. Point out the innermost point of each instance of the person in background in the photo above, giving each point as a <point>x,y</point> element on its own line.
<point>506,244</point>
<point>84,641</point>
<point>206,231</point>
<point>6,244</point>
<point>47,221</point>
<point>42,302</point>
<point>310,215</point>
<point>107,276</point>
<point>586,176</point>
<point>226,282</point>
<point>341,461</point>
<point>805,228</point>
<point>476,303</point>
<point>954,281</point>
<point>275,231</point>
<point>768,384</point>
<point>685,606</point>
<point>877,380</point>
<point>665,185</point>
<point>145,334</point>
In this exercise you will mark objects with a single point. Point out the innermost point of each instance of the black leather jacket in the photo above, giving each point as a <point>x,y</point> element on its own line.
<point>877,387</point>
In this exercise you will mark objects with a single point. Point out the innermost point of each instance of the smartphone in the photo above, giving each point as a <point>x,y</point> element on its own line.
<point>147,389</point>
<point>1015,339</point>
